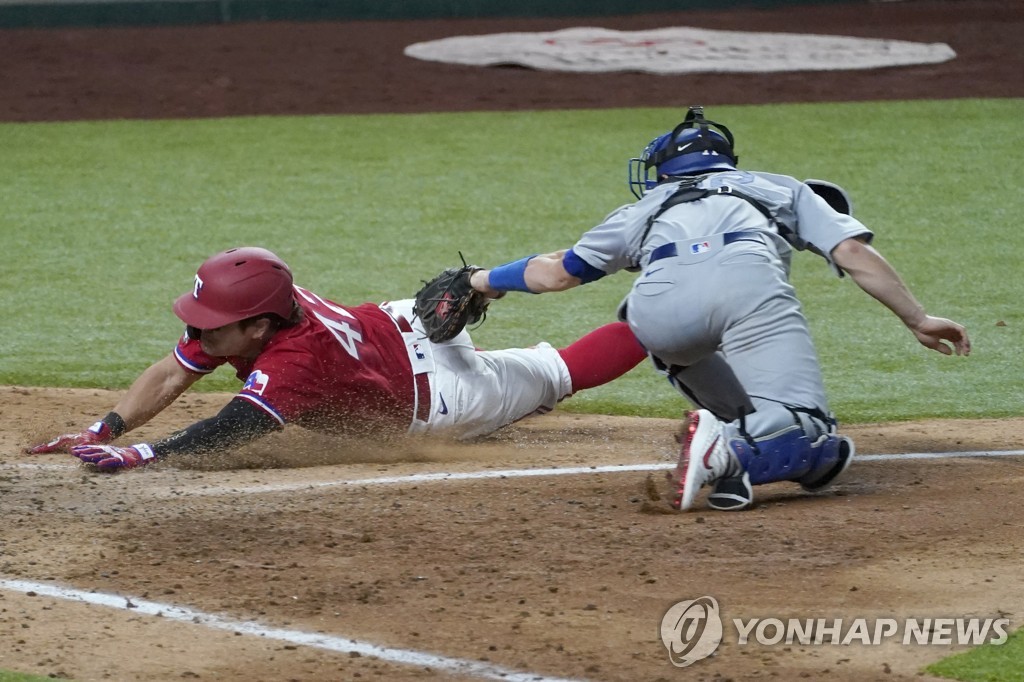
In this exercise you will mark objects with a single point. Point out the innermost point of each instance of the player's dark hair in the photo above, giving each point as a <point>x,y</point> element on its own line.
<point>276,320</point>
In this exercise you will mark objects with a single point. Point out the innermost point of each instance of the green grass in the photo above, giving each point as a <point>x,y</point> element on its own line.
<point>988,663</point>
<point>6,676</point>
<point>104,224</point>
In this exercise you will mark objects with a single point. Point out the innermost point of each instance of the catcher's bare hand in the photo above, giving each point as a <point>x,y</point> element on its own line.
<point>932,332</point>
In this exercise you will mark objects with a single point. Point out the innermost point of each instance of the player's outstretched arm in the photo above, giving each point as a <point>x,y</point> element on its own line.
<point>534,274</point>
<point>872,273</point>
<point>156,388</point>
<point>238,423</point>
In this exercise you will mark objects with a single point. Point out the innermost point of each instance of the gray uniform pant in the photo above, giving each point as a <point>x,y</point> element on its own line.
<point>727,321</point>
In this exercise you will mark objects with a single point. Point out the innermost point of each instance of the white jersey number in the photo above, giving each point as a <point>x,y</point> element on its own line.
<point>340,329</point>
<point>344,333</point>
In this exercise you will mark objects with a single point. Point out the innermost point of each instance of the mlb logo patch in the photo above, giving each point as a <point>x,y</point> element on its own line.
<point>699,247</point>
<point>256,383</point>
<point>419,354</point>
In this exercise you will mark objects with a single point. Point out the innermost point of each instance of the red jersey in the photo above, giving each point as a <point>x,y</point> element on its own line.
<point>339,370</point>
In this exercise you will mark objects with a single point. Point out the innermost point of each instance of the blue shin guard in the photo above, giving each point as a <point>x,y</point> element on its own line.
<point>785,455</point>
<point>836,455</point>
<point>789,455</point>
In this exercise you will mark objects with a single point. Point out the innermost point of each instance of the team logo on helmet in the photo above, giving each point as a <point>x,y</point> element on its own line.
<point>197,287</point>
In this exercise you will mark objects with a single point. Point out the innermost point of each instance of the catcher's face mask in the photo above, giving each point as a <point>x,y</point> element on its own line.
<point>696,145</point>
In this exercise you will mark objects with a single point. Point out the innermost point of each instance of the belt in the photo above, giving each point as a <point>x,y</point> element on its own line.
<point>671,249</point>
<point>421,381</point>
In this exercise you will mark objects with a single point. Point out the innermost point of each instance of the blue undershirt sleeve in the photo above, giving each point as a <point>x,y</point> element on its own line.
<point>581,269</point>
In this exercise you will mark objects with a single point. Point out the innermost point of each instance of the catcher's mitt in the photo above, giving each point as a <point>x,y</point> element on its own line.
<point>448,302</point>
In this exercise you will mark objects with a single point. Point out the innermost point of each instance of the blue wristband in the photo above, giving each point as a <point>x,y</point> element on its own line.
<point>510,276</point>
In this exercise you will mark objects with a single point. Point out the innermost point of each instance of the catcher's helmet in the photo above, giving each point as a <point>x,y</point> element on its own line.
<point>696,145</point>
<point>234,285</point>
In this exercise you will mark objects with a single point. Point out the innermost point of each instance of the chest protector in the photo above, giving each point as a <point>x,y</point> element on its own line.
<point>688,191</point>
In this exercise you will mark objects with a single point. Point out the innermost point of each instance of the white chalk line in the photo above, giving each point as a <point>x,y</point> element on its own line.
<point>310,639</point>
<point>345,645</point>
<point>506,473</point>
<point>939,455</point>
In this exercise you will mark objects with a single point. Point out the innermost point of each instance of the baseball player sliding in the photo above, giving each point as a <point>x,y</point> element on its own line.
<point>714,308</point>
<point>361,370</point>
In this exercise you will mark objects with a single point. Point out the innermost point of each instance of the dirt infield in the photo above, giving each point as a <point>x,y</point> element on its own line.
<point>563,576</point>
<point>552,576</point>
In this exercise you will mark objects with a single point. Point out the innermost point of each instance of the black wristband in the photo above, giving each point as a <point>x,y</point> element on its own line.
<point>116,424</point>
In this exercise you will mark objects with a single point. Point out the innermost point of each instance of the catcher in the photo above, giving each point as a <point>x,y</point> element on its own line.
<point>714,306</point>
<point>366,369</point>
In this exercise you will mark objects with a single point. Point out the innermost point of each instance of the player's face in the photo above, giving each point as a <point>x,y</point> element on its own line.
<point>233,339</point>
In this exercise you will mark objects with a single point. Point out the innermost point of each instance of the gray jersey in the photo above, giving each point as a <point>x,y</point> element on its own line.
<point>713,305</point>
<point>802,221</point>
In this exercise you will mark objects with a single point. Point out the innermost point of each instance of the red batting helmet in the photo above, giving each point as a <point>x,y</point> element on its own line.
<point>234,285</point>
